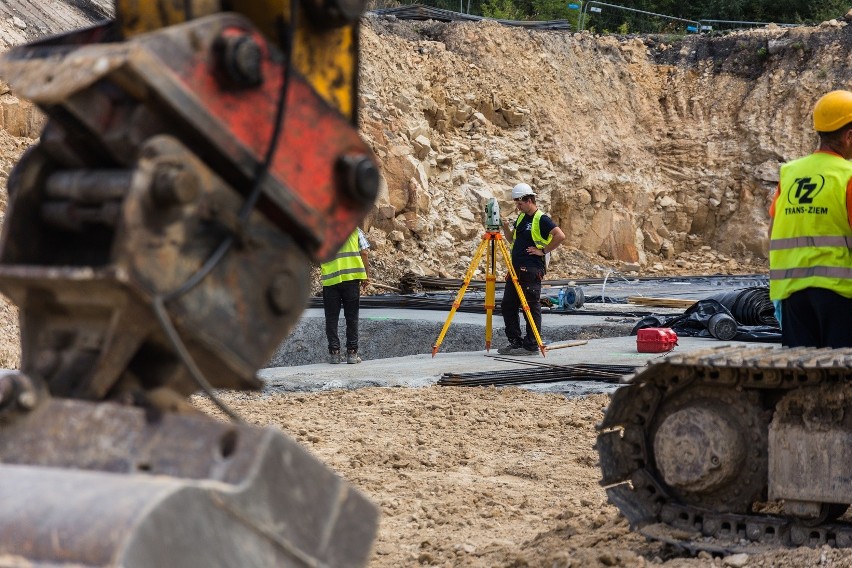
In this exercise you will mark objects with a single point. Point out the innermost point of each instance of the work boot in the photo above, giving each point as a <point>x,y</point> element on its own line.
<point>352,357</point>
<point>512,349</point>
<point>334,356</point>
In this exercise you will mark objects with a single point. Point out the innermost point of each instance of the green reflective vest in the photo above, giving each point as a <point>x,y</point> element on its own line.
<point>538,240</point>
<point>346,265</point>
<point>811,241</point>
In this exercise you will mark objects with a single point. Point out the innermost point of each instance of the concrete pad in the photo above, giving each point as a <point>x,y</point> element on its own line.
<point>423,370</point>
<point>392,332</point>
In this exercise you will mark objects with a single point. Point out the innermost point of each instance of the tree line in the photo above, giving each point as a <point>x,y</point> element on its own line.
<point>781,11</point>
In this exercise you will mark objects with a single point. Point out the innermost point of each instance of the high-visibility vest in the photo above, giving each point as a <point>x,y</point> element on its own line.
<point>811,241</point>
<point>538,240</point>
<point>346,265</point>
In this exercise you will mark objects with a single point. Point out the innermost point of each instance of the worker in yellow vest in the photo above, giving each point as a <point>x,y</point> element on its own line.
<point>810,246</point>
<point>342,279</point>
<point>533,236</point>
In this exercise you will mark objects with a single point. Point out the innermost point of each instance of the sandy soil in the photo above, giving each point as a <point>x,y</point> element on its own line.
<point>481,477</point>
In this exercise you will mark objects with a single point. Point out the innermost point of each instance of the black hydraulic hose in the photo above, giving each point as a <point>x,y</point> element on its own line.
<point>751,306</point>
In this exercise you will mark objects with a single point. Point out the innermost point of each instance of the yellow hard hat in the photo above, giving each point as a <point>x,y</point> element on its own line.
<point>833,111</point>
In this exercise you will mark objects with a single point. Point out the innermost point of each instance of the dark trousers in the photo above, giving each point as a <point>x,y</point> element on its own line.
<point>530,281</point>
<point>816,317</point>
<point>348,295</point>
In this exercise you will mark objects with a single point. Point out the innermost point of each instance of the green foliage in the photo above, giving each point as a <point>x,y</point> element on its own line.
<point>537,10</point>
<point>502,10</point>
<point>779,11</point>
<point>763,53</point>
<point>554,10</point>
<point>824,10</point>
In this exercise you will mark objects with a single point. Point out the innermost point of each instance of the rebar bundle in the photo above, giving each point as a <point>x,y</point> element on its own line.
<point>545,373</point>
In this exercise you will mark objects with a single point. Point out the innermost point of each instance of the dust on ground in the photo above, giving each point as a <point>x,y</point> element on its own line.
<point>481,477</point>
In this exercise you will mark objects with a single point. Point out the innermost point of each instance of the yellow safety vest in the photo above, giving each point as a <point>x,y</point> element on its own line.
<point>538,240</point>
<point>811,241</point>
<point>346,265</point>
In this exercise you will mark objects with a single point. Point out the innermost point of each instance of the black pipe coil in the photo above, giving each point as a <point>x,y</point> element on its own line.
<point>751,306</point>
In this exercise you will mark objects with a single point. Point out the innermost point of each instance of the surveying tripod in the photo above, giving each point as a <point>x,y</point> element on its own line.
<point>492,240</point>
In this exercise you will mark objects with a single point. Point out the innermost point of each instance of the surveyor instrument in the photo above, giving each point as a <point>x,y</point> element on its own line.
<point>493,241</point>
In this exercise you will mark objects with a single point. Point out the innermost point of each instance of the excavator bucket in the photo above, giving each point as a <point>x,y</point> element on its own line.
<point>104,485</point>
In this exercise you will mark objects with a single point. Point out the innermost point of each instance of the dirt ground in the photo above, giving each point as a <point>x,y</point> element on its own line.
<point>481,477</point>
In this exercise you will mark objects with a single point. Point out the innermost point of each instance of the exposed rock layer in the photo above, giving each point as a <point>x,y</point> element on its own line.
<point>643,151</point>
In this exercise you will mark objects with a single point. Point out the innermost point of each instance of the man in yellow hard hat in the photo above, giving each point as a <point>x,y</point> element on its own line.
<point>810,247</point>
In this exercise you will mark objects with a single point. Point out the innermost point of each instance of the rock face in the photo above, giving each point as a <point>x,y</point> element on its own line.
<point>26,20</point>
<point>641,150</point>
<point>648,154</point>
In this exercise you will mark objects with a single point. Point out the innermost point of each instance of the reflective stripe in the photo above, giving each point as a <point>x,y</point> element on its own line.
<point>346,265</point>
<point>326,277</point>
<point>811,241</point>
<point>824,271</point>
<point>347,254</point>
<point>801,242</point>
<point>539,241</point>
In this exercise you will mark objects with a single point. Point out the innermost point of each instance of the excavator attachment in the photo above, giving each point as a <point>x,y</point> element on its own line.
<point>100,484</point>
<point>158,240</point>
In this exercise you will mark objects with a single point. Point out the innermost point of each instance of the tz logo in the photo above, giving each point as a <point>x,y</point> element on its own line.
<point>804,190</point>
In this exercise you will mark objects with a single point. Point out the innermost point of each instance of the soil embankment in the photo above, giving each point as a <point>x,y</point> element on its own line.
<point>654,155</point>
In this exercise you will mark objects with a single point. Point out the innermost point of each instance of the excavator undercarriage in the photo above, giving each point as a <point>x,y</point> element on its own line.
<point>734,449</point>
<point>158,241</point>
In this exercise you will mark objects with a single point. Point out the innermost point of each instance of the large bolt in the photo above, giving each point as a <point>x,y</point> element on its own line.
<point>17,389</point>
<point>174,185</point>
<point>360,177</point>
<point>242,60</point>
<point>27,400</point>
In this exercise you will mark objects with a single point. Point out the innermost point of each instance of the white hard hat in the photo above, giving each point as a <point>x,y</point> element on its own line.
<point>521,190</point>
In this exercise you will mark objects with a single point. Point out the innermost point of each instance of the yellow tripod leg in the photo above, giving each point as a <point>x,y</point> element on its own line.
<point>526,307</point>
<point>490,284</point>
<point>468,276</point>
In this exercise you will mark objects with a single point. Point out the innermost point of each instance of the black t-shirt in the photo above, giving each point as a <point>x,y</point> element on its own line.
<point>524,240</point>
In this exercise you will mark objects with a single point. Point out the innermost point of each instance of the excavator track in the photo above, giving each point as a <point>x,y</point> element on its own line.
<point>684,447</point>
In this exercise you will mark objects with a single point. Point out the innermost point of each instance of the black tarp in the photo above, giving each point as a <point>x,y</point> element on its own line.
<point>750,308</point>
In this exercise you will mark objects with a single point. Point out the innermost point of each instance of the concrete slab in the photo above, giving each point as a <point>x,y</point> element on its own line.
<point>391,332</point>
<point>423,370</point>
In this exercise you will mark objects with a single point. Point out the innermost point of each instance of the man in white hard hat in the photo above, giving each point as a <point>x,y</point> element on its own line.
<point>533,236</point>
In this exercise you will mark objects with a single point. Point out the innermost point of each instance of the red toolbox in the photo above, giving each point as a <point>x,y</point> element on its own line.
<point>655,340</point>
